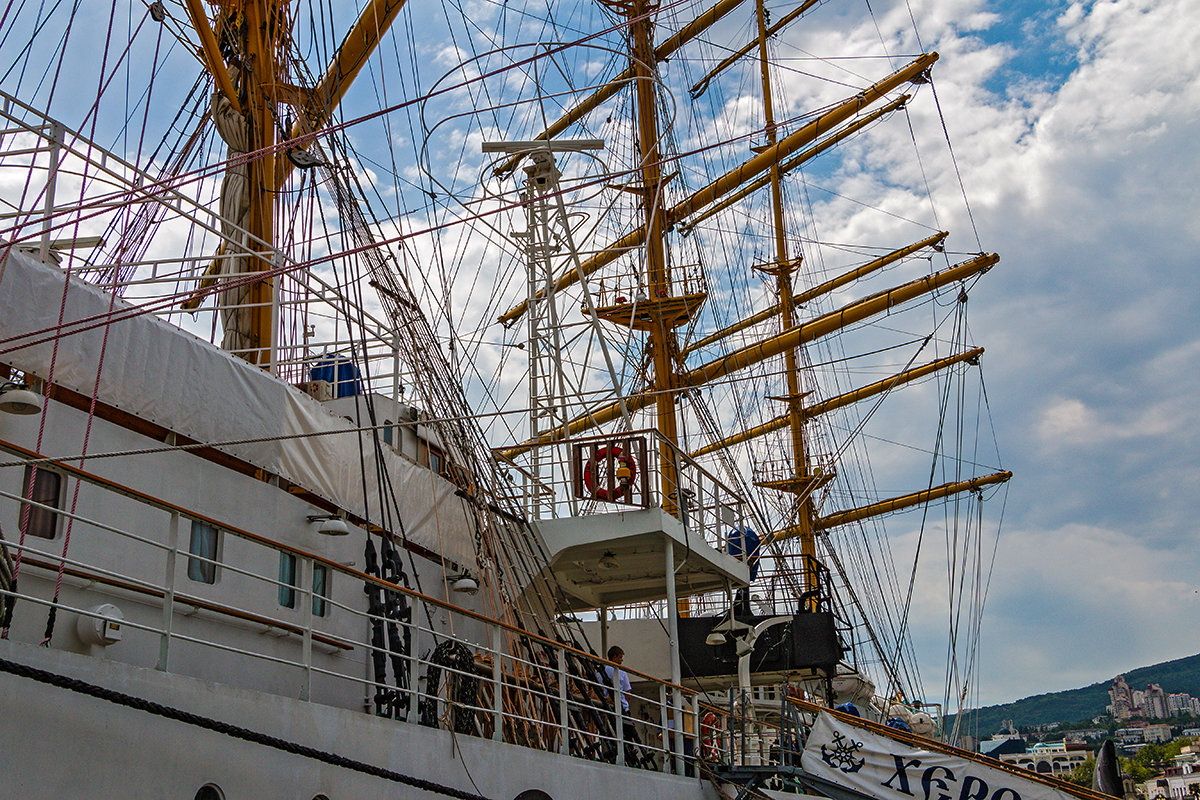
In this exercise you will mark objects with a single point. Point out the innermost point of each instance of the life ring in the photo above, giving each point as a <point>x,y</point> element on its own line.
<point>626,471</point>
<point>709,751</point>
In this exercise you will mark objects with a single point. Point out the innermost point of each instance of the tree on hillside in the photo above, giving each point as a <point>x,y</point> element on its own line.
<point>1082,774</point>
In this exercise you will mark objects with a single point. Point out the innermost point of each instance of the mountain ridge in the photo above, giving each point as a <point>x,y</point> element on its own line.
<point>1072,705</point>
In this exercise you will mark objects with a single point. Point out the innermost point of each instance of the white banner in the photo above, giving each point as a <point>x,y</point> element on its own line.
<point>887,769</point>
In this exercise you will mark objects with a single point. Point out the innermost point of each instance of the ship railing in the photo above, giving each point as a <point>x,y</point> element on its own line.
<point>615,288</point>
<point>87,209</point>
<point>638,469</point>
<point>403,655</point>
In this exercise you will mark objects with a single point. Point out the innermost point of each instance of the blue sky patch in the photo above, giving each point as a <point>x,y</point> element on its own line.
<point>1030,28</point>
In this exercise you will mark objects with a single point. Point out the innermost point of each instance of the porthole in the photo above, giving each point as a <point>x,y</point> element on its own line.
<point>210,791</point>
<point>321,797</point>
<point>533,794</point>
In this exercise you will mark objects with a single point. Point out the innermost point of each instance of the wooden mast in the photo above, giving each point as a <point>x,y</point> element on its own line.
<point>782,270</point>
<point>736,177</point>
<point>259,30</point>
<point>664,349</point>
<point>264,28</point>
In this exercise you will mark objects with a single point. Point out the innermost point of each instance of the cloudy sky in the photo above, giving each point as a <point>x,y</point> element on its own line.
<point>1075,126</point>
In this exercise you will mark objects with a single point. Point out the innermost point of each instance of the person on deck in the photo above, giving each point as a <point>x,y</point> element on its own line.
<point>628,731</point>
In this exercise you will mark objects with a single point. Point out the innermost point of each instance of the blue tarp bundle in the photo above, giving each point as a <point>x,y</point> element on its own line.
<point>743,540</point>
<point>341,372</point>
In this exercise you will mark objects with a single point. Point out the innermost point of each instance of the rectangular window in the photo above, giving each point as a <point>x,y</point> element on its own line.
<point>387,431</point>
<point>47,490</point>
<point>435,461</point>
<point>204,545</point>
<point>287,580</point>
<point>320,586</point>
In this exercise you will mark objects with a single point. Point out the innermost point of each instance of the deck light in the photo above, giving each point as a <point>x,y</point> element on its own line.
<point>16,398</point>
<point>465,584</point>
<point>331,524</point>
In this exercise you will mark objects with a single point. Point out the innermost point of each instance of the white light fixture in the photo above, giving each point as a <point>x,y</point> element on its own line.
<point>18,399</point>
<point>609,560</point>
<point>331,524</point>
<point>715,639</point>
<point>465,584</point>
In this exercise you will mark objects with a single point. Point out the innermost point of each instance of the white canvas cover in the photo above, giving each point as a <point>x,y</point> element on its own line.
<point>160,373</point>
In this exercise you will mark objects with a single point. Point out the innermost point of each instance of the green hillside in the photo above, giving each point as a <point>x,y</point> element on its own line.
<point>1180,675</point>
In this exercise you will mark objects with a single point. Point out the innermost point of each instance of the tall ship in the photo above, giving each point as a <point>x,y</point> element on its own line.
<point>491,400</point>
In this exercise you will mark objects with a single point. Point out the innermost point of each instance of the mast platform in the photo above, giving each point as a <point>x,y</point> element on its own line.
<point>617,558</point>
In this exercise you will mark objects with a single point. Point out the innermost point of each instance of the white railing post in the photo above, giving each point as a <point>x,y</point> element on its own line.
<point>665,736</point>
<point>676,745</point>
<point>305,568</point>
<point>564,709</point>
<point>414,660</point>
<point>618,714</point>
<point>497,686</point>
<point>168,618</point>
<point>57,134</point>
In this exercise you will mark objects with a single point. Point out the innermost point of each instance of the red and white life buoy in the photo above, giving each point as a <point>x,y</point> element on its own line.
<point>625,472</point>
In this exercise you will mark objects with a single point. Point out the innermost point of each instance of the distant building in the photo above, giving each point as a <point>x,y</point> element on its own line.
<point>1054,759</point>
<point>1179,781</point>
<point>1085,735</point>
<point>1157,734</point>
<point>1155,702</point>
<point>1007,731</point>
<point>1179,704</point>
<point>1120,695</point>
<point>998,748</point>
<point>1131,735</point>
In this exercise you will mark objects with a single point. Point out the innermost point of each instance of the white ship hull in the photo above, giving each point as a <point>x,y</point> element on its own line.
<point>71,745</point>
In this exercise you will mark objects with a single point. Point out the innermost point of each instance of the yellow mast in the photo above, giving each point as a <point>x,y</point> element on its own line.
<point>255,89</point>
<point>664,348</point>
<point>842,400</point>
<point>896,504</point>
<point>782,270</point>
<point>264,28</point>
<point>818,291</point>
<point>661,53</point>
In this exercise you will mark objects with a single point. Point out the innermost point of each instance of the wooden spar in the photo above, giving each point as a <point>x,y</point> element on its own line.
<point>843,400</point>
<point>808,133</point>
<point>819,290</point>
<point>608,90</point>
<point>795,161</point>
<point>211,53</point>
<point>736,177</point>
<point>753,354</point>
<point>828,323</point>
<point>896,504</point>
<point>702,84</point>
<point>350,58</point>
